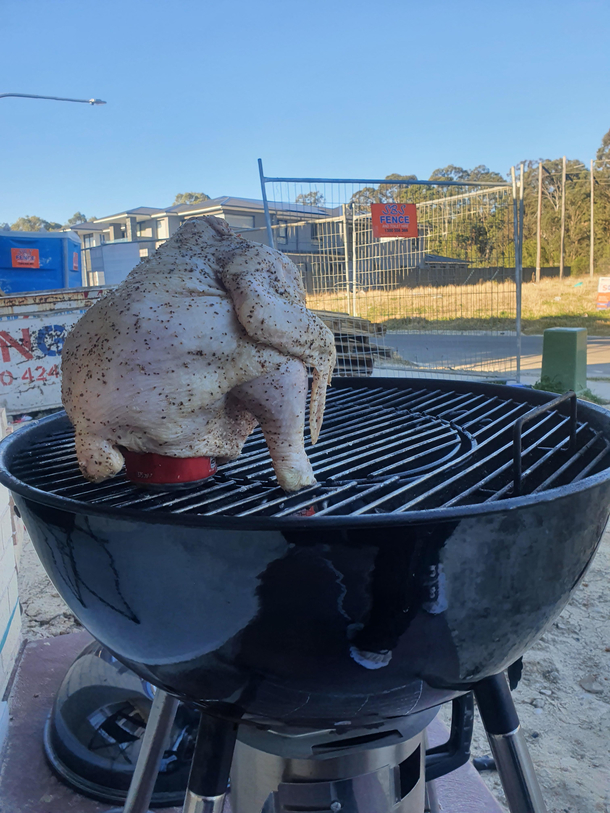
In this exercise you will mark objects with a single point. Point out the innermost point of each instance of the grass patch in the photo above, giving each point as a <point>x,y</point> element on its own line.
<point>486,306</point>
<point>586,395</point>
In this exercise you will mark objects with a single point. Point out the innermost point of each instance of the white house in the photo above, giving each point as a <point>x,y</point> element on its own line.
<point>113,245</point>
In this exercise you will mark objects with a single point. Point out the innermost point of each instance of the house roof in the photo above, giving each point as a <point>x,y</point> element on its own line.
<point>85,227</point>
<point>222,202</point>
<point>145,210</point>
<point>230,202</point>
<point>142,211</point>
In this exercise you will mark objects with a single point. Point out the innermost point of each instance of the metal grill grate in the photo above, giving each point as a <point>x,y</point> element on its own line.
<point>382,450</point>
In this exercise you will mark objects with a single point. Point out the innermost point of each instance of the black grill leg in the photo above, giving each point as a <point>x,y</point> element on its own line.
<point>211,766</point>
<point>508,746</point>
<point>154,743</point>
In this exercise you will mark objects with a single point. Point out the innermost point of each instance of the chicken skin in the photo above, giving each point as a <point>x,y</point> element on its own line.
<point>202,341</point>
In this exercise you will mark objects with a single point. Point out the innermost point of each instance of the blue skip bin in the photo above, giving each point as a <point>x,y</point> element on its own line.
<point>39,261</point>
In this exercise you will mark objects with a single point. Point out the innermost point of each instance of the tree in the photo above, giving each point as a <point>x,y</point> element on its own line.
<point>603,153</point>
<point>479,173</point>
<point>397,193</point>
<point>387,192</point>
<point>486,175</point>
<point>577,213</point>
<point>312,198</point>
<point>77,217</point>
<point>479,236</point>
<point>602,205</point>
<point>449,173</point>
<point>190,198</point>
<point>34,223</point>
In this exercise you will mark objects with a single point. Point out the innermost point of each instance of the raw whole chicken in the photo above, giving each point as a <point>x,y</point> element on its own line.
<point>202,341</point>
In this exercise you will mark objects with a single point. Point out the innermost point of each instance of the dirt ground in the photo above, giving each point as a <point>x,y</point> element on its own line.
<point>563,699</point>
<point>44,613</point>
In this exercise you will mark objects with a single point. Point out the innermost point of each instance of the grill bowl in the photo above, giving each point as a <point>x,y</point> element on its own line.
<point>269,619</point>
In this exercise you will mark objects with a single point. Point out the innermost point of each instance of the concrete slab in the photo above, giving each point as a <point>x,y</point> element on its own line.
<point>27,784</point>
<point>462,791</point>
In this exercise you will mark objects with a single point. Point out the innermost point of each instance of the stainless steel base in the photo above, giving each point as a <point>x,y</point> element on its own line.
<point>388,779</point>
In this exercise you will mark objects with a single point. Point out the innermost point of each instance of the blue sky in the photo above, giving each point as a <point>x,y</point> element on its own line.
<point>198,90</point>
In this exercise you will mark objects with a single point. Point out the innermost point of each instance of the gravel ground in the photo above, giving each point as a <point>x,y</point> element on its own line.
<point>563,699</point>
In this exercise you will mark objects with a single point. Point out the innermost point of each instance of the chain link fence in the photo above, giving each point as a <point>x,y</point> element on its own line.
<point>418,306</point>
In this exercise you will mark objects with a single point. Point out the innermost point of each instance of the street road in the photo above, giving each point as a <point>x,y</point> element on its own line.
<point>457,350</point>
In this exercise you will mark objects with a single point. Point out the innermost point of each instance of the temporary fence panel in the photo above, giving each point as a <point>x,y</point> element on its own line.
<point>397,304</point>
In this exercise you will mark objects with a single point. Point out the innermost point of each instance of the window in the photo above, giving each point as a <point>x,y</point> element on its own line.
<point>160,229</point>
<point>240,221</point>
<point>87,240</point>
<point>144,230</point>
<point>315,234</point>
<point>282,232</point>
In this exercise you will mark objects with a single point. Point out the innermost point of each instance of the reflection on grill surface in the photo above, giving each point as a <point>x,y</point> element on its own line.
<point>381,451</point>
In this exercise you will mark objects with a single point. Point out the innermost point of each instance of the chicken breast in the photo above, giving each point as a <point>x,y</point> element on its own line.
<point>202,341</point>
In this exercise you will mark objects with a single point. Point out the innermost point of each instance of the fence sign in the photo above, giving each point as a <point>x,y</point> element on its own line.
<point>394,219</point>
<point>25,258</point>
<point>603,293</point>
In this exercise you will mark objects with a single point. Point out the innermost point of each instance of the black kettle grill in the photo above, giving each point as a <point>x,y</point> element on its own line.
<point>449,526</point>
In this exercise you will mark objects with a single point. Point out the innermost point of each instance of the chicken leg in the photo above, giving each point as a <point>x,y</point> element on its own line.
<point>277,400</point>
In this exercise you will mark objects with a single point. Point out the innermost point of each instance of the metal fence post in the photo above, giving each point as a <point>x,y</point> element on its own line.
<point>354,270</point>
<point>519,271</point>
<point>265,203</point>
<point>539,224</point>
<point>348,247</point>
<point>563,217</point>
<point>592,246</point>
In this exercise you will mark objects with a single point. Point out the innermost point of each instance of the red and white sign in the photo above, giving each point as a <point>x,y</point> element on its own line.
<point>31,344</point>
<point>25,258</point>
<point>394,219</point>
<point>603,294</point>
<point>75,260</point>
<point>30,359</point>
